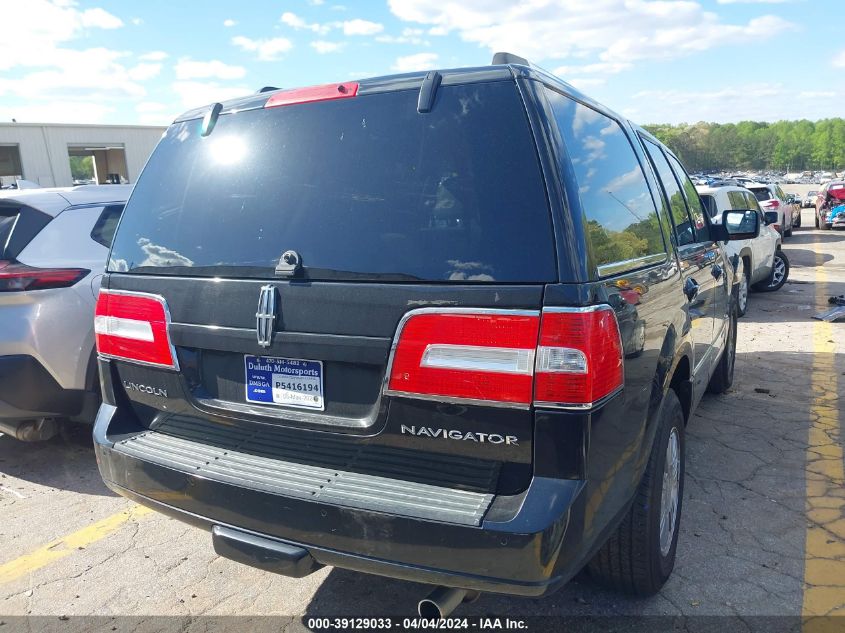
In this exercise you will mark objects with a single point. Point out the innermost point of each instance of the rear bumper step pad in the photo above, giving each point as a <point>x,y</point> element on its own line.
<point>327,485</point>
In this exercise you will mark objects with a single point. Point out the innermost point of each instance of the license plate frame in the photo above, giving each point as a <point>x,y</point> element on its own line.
<point>284,382</point>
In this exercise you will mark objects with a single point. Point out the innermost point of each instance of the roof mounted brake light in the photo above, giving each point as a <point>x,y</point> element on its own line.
<point>327,92</point>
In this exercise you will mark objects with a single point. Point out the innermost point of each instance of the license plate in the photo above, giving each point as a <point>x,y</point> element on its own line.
<point>284,381</point>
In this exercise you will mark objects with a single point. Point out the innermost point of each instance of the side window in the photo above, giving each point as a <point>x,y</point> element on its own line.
<point>702,231</point>
<point>780,192</point>
<point>738,201</point>
<point>684,233</point>
<point>710,205</point>
<point>751,202</point>
<point>103,231</point>
<point>622,224</point>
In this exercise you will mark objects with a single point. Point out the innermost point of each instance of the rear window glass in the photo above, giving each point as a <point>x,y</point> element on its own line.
<point>362,188</point>
<point>761,193</point>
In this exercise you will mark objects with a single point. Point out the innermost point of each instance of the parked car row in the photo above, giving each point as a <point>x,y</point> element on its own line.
<point>392,347</point>
<point>764,266</point>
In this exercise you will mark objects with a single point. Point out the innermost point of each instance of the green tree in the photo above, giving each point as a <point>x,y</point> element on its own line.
<point>787,145</point>
<point>82,167</point>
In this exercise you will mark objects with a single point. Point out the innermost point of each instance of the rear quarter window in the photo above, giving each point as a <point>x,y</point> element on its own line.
<point>365,188</point>
<point>621,217</point>
<point>103,231</point>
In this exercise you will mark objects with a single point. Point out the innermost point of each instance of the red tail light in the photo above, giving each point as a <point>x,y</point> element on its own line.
<point>772,204</point>
<point>133,326</point>
<point>777,227</point>
<point>20,277</point>
<point>492,357</point>
<point>467,355</point>
<point>328,92</point>
<point>579,359</point>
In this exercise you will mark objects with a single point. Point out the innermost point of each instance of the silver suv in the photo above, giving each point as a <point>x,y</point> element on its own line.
<point>53,248</point>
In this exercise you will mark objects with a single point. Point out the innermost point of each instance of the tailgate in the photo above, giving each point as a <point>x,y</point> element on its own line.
<point>290,242</point>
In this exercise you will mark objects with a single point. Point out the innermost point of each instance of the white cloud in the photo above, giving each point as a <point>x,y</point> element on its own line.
<point>315,3</point>
<point>614,31</point>
<point>585,83</point>
<point>97,18</point>
<point>295,22</point>
<point>361,27</point>
<point>839,59</point>
<point>194,94</point>
<point>214,69</point>
<point>408,36</point>
<point>143,72</point>
<point>154,113</point>
<point>760,102</point>
<point>323,47</point>
<point>817,94</point>
<point>600,68</point>
<point>37,28</point>
<point>57,112</point>
<point>154,56</point>
<point>410,63</point>
<point>150,106</point>
<point>229,23</point>
<point>85,75</point>
<point>267,50</point>
<point>137,21</point>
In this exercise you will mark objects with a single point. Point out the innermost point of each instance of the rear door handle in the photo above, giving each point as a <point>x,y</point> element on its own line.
<point>691,288</point>
<point>717,271</point>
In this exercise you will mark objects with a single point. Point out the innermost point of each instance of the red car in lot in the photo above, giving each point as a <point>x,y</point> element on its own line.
<point>831,195</point>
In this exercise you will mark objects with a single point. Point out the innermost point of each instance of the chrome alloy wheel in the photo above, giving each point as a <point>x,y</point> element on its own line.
<point>778,271</point>
<point>669,497</point>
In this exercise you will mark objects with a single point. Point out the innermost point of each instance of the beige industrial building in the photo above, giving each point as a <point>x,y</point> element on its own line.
<point>41,152</point>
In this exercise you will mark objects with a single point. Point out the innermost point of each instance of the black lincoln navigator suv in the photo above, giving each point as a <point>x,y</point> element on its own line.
<point>445,327</point>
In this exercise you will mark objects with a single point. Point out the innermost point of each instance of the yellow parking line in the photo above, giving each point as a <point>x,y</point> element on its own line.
<point>824,570</point>
<point>65,546</point>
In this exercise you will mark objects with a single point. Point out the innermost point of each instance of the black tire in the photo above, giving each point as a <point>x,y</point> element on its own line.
<point>632,560</point>
<point>796,223</point>
<point>742,295</point>
<point>817,220</point>
<point>778,276</point>
<point>723,377</point>
<point>788,233</point>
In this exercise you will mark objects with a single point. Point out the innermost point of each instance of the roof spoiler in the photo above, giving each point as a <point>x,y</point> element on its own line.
<point>509,58</point>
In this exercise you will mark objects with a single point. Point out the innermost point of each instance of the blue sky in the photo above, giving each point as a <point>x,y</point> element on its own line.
<point>129,62</point>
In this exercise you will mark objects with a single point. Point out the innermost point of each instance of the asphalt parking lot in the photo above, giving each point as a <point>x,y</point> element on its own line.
<point>762,533</point>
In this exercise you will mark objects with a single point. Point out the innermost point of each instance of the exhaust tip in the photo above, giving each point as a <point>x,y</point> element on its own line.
<point>429,610</point>
<point>441,602</point>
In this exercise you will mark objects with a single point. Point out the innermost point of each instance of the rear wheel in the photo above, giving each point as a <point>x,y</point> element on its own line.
<point>640,555</point>
<point>780,273</point>
<point>723,377</point>
<point>742,293</point>
<point>796,222</point>
<point>817,220</point>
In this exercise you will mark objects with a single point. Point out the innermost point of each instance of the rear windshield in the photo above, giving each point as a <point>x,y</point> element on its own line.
<point>361,188</point>
<point>761,193</point>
